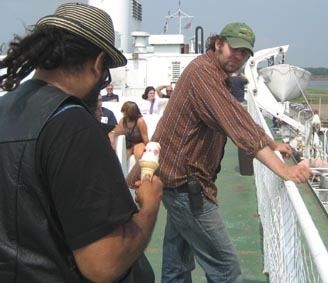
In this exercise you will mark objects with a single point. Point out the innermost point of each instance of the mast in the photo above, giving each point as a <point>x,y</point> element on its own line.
<point>179,15</point>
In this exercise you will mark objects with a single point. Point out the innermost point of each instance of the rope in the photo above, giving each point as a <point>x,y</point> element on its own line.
<point>302,92</point>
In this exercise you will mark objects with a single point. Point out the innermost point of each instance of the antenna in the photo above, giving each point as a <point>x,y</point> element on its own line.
<point>2,48</point>
<point>180,15</point>
<point>166,24</point>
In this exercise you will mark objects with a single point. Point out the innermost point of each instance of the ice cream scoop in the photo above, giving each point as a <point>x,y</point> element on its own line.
<point>149,160</point>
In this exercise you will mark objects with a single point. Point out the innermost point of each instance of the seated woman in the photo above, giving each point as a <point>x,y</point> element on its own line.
<point>134,127</point>
<point>151,103</point>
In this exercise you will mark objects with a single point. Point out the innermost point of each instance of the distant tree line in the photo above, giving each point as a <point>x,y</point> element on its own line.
<point>318,71</point>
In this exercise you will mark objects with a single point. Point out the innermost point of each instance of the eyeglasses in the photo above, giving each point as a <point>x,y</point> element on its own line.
<point>107,79</point>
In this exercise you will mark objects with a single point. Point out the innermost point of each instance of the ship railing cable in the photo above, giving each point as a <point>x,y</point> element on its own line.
<point>297,80</point>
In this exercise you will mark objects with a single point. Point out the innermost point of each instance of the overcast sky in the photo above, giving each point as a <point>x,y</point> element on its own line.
<point>300,23</point>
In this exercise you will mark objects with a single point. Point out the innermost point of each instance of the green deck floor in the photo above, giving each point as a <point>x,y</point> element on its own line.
<point>238,204</point>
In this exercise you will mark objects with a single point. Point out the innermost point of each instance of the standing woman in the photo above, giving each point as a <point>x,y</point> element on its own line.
<point>134,127</point>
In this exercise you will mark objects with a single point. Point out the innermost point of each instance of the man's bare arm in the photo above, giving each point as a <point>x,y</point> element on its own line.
<point>296,173</point>
<point>159,90</point>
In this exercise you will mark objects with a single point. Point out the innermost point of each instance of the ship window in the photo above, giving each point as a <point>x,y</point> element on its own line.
<point>176,70</point>
<point>136,10</point>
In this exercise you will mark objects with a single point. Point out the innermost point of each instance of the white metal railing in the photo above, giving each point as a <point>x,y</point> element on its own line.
<point>293,249</point>
<point>325,144</point>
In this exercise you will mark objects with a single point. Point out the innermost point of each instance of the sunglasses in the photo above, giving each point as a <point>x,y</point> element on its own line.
<point>107,79</point>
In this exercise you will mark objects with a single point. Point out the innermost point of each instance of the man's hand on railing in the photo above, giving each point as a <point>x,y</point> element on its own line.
<point>299,173</point>
<point>284,149</point>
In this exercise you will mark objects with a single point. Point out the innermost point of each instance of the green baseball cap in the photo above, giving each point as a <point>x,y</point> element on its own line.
<point>239,35</point>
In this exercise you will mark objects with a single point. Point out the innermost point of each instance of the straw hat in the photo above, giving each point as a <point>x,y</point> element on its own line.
<point>91,23</point>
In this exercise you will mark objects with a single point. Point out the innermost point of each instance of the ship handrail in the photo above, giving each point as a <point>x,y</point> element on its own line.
<point>310,231</point>
<point>288,229</point>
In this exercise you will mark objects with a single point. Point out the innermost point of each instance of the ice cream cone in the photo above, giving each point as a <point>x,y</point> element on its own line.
<point>148,168</point>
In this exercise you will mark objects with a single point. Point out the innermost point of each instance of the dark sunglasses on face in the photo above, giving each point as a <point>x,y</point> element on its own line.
<point>107,79</point>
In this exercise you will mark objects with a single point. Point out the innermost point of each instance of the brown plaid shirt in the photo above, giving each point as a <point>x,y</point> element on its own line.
<point>193,131</point>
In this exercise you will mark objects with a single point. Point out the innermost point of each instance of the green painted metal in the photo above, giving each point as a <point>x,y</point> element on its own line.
<point>319,216</point>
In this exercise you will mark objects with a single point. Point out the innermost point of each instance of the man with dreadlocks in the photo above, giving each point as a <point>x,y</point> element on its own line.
<point>66,214</point>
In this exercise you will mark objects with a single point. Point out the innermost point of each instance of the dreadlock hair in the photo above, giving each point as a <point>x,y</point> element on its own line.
<point>45,47</point>
<point>210,42</point>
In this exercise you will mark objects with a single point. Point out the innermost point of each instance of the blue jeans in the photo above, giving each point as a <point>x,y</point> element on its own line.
<point>202,235</point>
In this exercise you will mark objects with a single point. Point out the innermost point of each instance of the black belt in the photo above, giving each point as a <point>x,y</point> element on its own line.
<point>181,189</point>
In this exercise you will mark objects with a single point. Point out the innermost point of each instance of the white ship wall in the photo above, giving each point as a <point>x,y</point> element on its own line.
<point>148,70</point>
